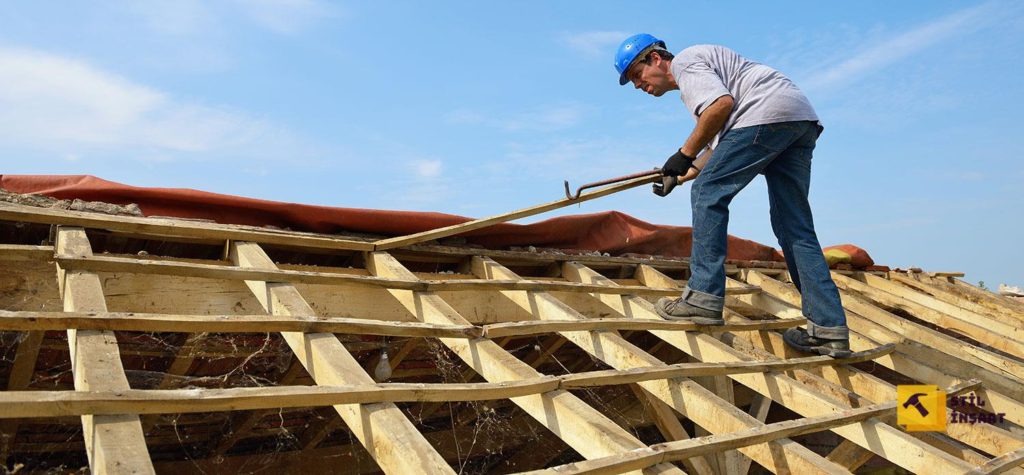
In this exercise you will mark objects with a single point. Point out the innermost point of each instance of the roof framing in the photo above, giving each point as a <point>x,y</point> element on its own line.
<point>956,336</point>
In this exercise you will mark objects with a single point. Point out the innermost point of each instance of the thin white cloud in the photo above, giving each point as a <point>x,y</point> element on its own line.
<point>286,16</point>
<point>595,44</point>
<point>547,118</point>
<point>891,50</point>
<point>68,106</point>
<point>199,18</point>
<point>427,168</point>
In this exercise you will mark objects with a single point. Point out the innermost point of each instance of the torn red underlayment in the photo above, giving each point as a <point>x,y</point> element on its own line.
<point>612,232</point>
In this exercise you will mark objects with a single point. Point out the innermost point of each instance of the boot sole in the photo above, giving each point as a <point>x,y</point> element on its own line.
<point>818,350</point>
<point>698,320</point>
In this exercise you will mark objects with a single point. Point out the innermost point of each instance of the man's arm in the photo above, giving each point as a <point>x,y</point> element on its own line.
<point>709,123</point>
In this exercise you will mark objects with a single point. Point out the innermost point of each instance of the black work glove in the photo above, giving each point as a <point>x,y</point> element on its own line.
<point>676,165</point>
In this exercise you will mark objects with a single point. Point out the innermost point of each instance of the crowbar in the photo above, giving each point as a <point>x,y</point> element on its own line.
<point>569,195</point>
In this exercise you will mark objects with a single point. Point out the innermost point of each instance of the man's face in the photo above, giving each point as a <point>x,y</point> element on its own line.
<point>650,77</point>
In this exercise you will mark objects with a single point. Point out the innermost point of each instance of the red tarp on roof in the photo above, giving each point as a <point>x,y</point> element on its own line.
<point>611,232</point>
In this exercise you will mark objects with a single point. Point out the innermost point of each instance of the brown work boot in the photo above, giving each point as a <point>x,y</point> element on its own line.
<point>679,310</point>
<point>799,338</point>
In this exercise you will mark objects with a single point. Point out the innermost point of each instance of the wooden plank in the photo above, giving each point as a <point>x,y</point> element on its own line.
<point>497,330</point>
<point>671,451</point>
<point>382,428</point>
<point>19,252</point>
<point>1000,464</point>
<point>215,271</point>
<point>155,322</point>
<point>759,408</point>
<point>985,296</point>
<point>21,404</point>
<point>1009,322</point>
<point>149,322</point>
<point>920,349</point>
<point>954,299</point>
<point>685,396</point>
<point>875,435</point>
<point>401,241</point>
<point>671,429</point>
<point>580,426</point>
<point>988,438</point>
<point>114,443</point>
<point>995,334</point>
<point>175,227</point>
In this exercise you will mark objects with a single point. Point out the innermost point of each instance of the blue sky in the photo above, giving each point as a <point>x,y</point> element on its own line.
<point>477,109</point>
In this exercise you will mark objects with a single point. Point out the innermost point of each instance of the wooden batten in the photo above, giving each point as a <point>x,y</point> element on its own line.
<point>525,347</point>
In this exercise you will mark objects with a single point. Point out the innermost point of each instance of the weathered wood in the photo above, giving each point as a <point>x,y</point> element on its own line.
<point>123,321</point>
<point>18,252</point>
<point>1001,336</point>
<point>872,434</point>
<point>21,404</point>
<point>214,271</point>
<point>1000,464</point>
<point>382,428</point>
<point>988,438</point>
<point>580,426</point>
<point>536,327</point>
<point>114,443</point>
<point>685,396</point>
<point>672,451</point>
<point>400,241</point>
<point>959,301</point>
<point>150,322</point>
<point>671,429</point>
<point>155,227</point>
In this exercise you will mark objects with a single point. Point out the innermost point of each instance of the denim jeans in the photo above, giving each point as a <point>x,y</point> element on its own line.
<point>782,152</point>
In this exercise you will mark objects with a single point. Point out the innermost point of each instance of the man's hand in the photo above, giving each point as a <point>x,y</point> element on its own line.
<point>668,183</point>
<point>677,165</point>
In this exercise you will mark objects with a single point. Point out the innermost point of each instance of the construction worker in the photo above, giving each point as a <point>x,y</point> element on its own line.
<point>751,119</point>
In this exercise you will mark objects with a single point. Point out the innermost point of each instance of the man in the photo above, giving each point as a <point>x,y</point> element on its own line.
<point>751,119</point>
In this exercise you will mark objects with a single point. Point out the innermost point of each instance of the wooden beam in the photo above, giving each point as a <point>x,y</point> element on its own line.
<point>217,271</point>
<point>1000,336</point>
<point>156,322</point>
<point>156,227</point>
<point>401,241</point>
<point>382,428</point>
<point>671,429</point>
<point>20,404</point>
<point>875,435</point>
<point>988,438</point>
<point>18,252</point>
<point>671,451</point>
<point>1000,464</point>
<point>685,396</point>
<point>957,300</point>
<point>581,427</point>
<point>150,322</point>
<point>497,330</point>
<point>114,443</point>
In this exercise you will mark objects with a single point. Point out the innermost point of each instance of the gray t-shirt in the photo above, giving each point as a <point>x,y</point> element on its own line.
<point>762,94</point>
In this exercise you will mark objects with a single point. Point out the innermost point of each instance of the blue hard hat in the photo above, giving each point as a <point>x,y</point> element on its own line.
<point>629,50</point>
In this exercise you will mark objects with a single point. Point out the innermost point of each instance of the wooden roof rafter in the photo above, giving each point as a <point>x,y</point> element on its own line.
<point>744,352</point>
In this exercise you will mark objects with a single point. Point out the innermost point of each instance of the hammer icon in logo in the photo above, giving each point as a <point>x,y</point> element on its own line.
<point>914,401</point>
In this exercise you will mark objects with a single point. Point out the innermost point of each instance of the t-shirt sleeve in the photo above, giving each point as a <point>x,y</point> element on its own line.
<point>698,83</point>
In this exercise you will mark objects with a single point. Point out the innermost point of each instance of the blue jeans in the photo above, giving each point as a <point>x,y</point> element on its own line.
<point>782,152</point>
